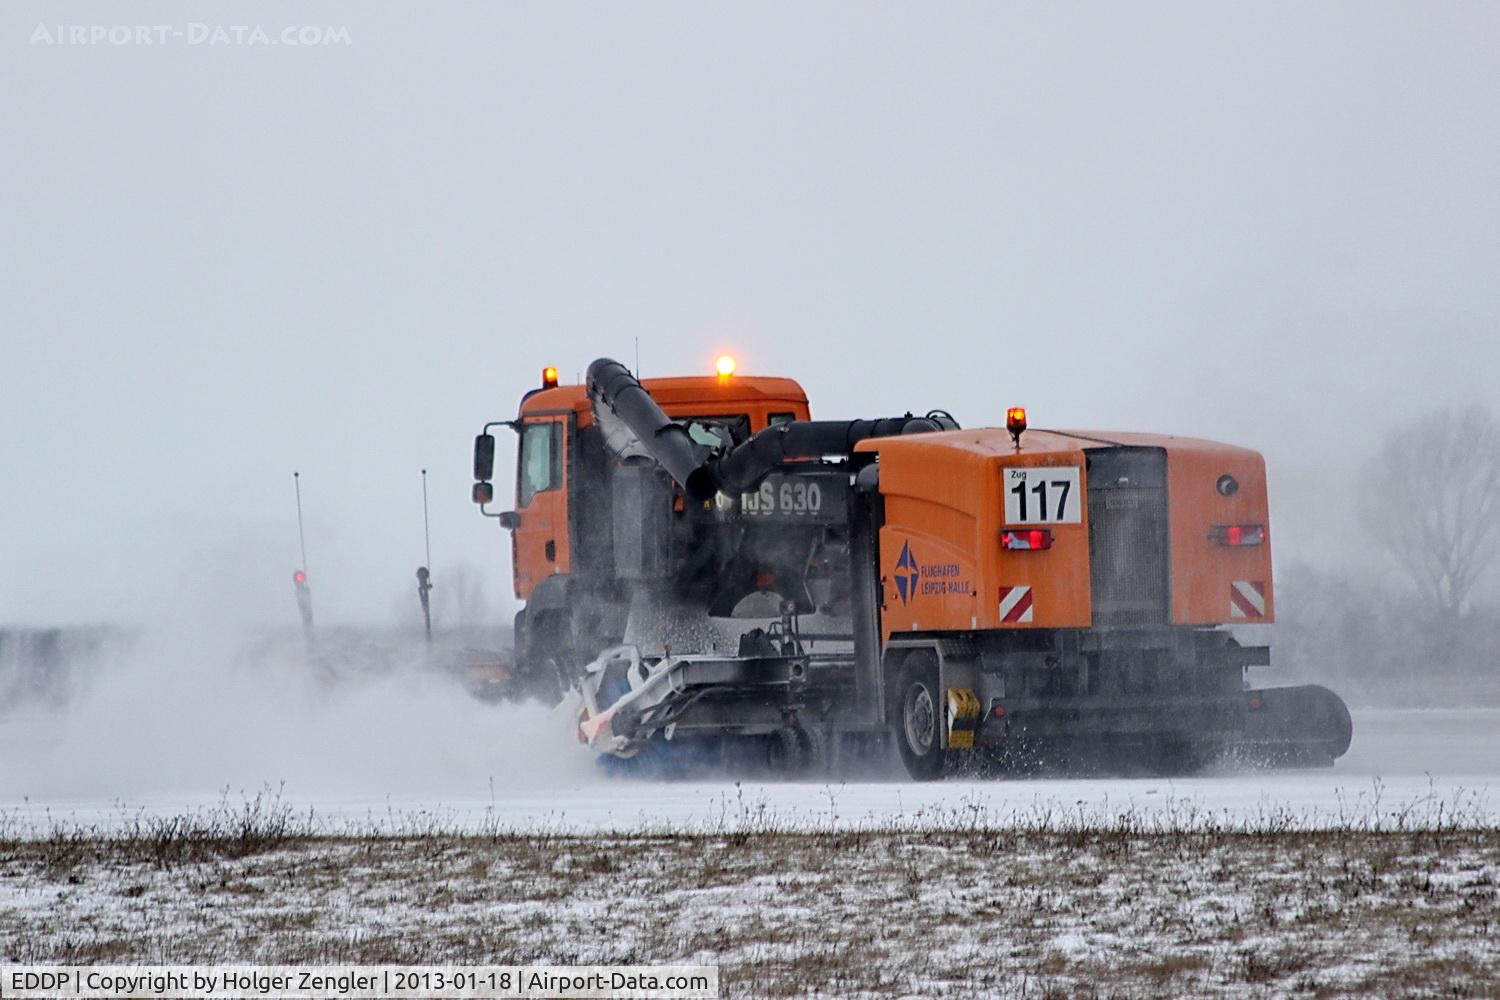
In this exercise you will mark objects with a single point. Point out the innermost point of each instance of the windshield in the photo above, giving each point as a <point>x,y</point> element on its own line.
<point>718,433</point>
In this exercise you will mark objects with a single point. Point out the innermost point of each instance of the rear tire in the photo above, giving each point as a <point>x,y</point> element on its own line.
<point>918,719</point>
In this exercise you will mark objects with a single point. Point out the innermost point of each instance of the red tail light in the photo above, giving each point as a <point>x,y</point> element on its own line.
<point>1032,538</point>
<point>1239,534</point>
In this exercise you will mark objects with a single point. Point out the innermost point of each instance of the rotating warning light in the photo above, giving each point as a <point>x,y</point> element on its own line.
<point>1015,422</point>
<point>724,366</point>
<point>549,377</point>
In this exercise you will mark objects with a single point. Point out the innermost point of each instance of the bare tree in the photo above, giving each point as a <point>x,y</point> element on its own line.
<point>1431,497</point>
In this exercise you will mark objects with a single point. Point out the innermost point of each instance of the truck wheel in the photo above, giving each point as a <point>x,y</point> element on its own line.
<point>544,668</point>
<point>919,718</point>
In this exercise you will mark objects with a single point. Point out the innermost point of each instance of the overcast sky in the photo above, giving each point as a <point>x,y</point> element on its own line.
<point>1276,225</point>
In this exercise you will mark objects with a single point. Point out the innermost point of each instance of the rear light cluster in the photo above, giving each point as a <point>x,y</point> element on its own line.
<point>1030,538</point>
<point>1236,535</point>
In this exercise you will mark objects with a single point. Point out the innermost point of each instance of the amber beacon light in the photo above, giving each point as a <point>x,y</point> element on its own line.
<point>724,366</point>
<point>549,378</point>
<point>1015,422</point>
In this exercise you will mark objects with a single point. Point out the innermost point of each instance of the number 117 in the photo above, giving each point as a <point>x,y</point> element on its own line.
<point>1040,489</point>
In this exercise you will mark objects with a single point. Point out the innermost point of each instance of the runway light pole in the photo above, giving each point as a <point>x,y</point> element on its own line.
<point>299,578</point>
<point>424,576</point>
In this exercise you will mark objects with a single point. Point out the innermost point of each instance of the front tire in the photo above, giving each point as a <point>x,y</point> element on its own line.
<point>919,718</point>
<point>544,668</point>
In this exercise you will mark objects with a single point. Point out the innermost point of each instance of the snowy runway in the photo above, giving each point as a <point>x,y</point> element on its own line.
<point>497,768</point>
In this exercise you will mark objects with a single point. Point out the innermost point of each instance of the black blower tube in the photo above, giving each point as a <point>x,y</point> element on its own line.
<point>742,469</point>
<point>612,384</point>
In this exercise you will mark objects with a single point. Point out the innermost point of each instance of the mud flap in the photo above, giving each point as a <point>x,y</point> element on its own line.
<point>962,718</point>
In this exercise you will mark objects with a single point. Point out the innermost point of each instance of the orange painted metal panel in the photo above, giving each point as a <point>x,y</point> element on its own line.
<point>945,508</point>
<point>1203,571</point>
<point>944,497</point>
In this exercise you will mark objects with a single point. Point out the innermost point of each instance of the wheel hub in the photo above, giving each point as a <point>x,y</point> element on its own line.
<point>917,717</point>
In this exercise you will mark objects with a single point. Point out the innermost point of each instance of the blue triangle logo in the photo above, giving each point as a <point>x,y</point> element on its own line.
<point>907,573</point>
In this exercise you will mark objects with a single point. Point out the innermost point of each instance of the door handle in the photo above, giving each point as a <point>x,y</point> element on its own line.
<point>551,550</point>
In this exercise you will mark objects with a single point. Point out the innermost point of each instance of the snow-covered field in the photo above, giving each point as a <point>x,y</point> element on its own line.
<point>847,913</point>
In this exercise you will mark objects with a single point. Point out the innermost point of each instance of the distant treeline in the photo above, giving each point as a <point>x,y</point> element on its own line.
<point>49,665</point>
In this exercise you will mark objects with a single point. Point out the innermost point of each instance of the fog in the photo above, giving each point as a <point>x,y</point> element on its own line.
<point>1272,224</point>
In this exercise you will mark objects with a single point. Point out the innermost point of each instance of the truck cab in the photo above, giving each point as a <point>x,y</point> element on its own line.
<point>576,554</point>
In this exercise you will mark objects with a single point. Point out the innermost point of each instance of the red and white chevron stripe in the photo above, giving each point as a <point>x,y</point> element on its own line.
<point>1015,604</point>
<point>1247,599</point>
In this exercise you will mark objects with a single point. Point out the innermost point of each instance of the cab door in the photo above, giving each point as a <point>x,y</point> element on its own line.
<point>540,540</point>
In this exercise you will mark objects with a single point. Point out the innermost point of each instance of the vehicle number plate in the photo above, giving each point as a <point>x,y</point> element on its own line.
<point>1043,494</point>
<point>818,498</point>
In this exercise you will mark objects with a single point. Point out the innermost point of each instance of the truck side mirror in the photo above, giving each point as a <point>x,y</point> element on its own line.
<point>483,493</point>
<point>510,520</point>
<point>484,457</point>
